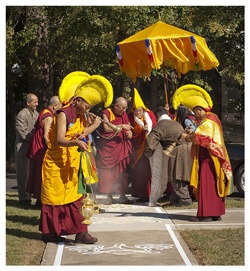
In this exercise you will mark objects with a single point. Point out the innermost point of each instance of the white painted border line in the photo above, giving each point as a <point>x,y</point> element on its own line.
<point>210,224</point>
<point>159,210</point>
<point>59,253</point>
<point>171,211</point>
<point>178,245</point>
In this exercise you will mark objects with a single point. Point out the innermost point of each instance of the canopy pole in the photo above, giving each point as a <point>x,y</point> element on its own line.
<point>165,84</point>
<point>159,16</point>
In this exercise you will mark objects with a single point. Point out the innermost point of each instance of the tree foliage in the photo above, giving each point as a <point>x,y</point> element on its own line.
<point>45,43</point>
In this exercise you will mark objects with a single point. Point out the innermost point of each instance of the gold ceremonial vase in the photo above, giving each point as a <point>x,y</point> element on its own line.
<point>88,208</point>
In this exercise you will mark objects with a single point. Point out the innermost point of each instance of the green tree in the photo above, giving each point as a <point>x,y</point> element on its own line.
<point>45,43</point>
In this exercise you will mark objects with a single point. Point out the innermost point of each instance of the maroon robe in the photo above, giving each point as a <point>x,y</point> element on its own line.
<point>141,171</point>
<point>209,203</point>
<point>63,219</point>
<point>113,158</point>
<point>36,151</point>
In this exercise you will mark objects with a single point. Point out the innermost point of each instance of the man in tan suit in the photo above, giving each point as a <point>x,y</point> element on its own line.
<point>25,121</point>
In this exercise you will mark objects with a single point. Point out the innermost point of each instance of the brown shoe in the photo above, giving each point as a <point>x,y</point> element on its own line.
<point>85,238</point>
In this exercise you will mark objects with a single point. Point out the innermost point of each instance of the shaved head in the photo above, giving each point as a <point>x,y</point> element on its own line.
<point>55,103</point>
<point>120,106</point>
<point>54,100</point>
<point>121,101</point>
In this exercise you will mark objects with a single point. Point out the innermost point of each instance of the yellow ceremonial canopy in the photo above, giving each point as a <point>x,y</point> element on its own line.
<point>162,45</point>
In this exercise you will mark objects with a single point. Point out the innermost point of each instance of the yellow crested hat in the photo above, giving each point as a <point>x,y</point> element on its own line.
<point>69,85</point>
<point>192,96</point>
<point>138,102</point>
<point>95,89</point>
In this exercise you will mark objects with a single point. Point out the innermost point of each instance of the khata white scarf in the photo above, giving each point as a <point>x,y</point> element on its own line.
<point>164,117</point>
<point>147,120</point>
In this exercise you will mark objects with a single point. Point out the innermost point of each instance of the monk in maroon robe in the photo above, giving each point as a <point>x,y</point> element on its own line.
<point>142,120</point>
<point>114,151</point>
<point>38,146</point>
<point>211,174</point>
<point>61,190</point>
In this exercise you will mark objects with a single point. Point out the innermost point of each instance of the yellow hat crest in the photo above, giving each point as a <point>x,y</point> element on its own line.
<point>69,85</point>
<point>192,96</point>
<point>94,90</point>
<point>138,102</point>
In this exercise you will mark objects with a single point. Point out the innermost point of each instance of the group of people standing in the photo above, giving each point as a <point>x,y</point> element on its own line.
<point>134,158</point>
<point>57,156</point>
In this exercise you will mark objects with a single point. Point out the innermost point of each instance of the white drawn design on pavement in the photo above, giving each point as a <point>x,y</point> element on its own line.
<point>119,207</point>
<point>124,220</point>
<point>120,249</point>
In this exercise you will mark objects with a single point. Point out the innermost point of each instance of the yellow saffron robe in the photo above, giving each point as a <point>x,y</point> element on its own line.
<point>61,168</point>
<point>209,135</point>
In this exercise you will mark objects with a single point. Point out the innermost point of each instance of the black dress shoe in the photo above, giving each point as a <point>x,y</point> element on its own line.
<point>49,238</point>
<point>124,200</point>
<point>25,203</point>
<point>194,219</point>
<point>200,219</point>
<point>181,204</point>
<point>141,200</point>
<point>206,219</point>
<point>101,211</point>
<point>216,218</point>
<point>38,203</point>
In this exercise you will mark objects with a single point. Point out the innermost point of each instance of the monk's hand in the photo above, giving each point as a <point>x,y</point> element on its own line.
<point>79,136</point>
<point>82,145</point>
<point>97,121</point>
<point>145,127</point>
<point>127,127</point>
<point>188,130</point>
<point>188,137</point>
<point>129,134</point>
<point>167,107</point>
<point>184,135</point>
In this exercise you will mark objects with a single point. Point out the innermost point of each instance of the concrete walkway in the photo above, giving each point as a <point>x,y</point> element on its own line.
<point>136,235</point>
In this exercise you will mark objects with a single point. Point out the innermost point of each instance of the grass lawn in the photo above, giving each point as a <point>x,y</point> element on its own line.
<point>216,247</point>
<point>23,244</point>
